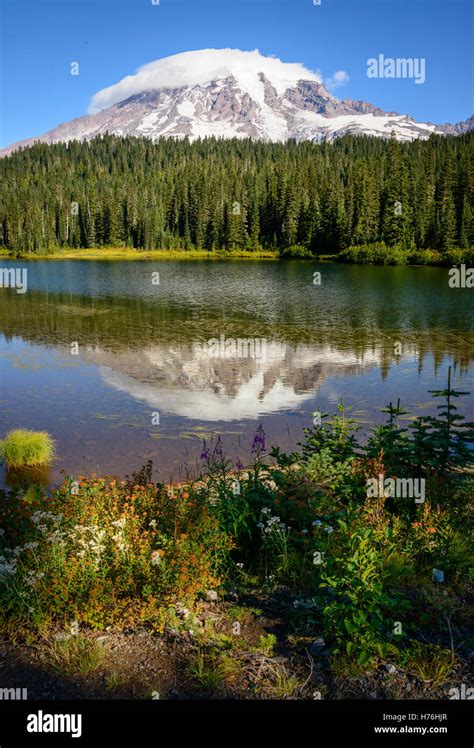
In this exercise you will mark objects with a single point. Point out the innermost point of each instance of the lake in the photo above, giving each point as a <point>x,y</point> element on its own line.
<point>128,361</point>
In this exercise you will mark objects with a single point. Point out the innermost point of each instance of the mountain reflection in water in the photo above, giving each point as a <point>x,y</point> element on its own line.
<point>143,350</point>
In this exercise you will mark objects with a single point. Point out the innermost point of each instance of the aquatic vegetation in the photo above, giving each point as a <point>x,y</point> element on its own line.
<point>23,448</point>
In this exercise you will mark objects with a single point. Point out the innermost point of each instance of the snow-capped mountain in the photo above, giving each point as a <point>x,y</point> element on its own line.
<point>231,93</point>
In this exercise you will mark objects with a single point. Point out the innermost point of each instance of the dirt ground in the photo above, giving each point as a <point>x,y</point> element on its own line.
<point>228,650</point>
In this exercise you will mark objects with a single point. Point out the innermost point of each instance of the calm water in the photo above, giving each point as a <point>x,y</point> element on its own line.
<point>141,350</point>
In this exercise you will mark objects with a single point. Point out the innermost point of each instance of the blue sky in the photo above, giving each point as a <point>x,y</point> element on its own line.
<point>112,38</point>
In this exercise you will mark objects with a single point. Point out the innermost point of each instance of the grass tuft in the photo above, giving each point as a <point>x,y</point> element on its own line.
<point>24,448</point>
<point>212,672</point>
<point>75,656</point>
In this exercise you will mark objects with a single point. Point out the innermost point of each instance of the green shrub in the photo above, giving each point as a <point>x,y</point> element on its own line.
<point>23,448</point>
<point>355,609</point>
<point>105,553</point>
<point>377,253</point>
<point>324,470</point>
<point>425,257</point>
<point>296,252</point>
<point>459,256</point>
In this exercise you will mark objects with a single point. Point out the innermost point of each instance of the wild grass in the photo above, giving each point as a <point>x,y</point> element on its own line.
<point>266,644</point>
<point>211,671</point>
<point>23,448</point>
<point>430,663</point>
<point>343,666</point>
<point>129,253</point>
<point>243,614</point>
<point>115,681</point>
<point>278,683</point>
<point>75,656</point>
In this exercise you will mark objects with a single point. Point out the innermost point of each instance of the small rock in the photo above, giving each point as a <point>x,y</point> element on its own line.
<point>317,645</point>
<point>438,575</point>
<point>408,687</point>
<point>182,612</point>
<point>211,596</point>
<point>62,636</point>
<point>390,668</point>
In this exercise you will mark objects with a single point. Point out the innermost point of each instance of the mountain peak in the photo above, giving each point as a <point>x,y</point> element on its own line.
<point>230,93</point>
<point>205,66</point>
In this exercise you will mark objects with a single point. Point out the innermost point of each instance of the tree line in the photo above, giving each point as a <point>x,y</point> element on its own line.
<point>238,194</point>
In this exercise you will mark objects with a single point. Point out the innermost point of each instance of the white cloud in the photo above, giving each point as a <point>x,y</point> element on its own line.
<point>340,78</point>
<point>201,67</point>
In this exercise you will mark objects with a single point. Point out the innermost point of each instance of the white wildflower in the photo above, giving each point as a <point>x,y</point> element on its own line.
<point>120,522</point>
<point>7,568</point>
<point>31,579</point>
<point>55,537</point>
<point>156,558</point>
<point>30,546</point>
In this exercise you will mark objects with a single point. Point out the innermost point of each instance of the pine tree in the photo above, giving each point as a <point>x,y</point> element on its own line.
<point>394,204</point>
<point>133,192</point>
<point>451,437</point>
<point>447,212</point>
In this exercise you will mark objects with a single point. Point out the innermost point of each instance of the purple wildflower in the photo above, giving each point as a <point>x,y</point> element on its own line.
<point>218,448</point>
<point>258,444</point>
<point>206,453</point>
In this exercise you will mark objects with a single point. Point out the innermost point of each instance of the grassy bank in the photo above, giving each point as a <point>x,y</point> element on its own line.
<point>128,253</point>
<point>372,254</point>
<point>361,582</point>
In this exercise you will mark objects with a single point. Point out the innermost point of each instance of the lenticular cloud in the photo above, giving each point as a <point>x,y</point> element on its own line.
<point>201,67</point>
